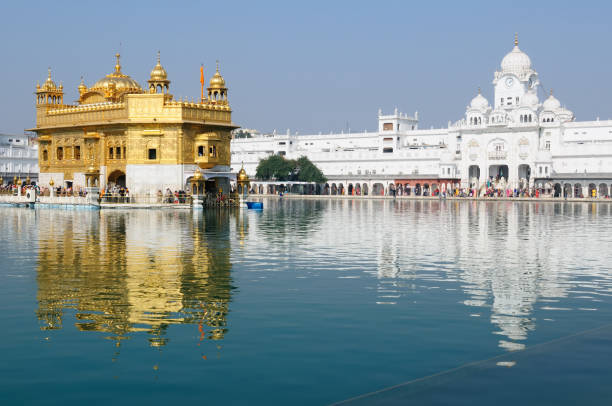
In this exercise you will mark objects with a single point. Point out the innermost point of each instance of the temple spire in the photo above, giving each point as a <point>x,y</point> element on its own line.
<point>516,39</point>
<point>118,65</point>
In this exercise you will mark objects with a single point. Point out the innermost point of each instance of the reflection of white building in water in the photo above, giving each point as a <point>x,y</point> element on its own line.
<point>517,136</point>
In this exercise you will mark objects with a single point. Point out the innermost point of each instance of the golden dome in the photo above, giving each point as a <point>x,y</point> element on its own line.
<point>82,87</point>
<point>197,175</point>
<point>158,73</point>
<point>49,84</point>
<point>242,175</point>
<point>122,83</point>
<point>217,80</point>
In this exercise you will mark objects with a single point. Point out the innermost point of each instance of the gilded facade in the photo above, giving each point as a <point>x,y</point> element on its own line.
<point>140,138</point>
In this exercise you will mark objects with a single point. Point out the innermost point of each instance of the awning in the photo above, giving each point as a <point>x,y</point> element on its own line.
<point>212,175</point>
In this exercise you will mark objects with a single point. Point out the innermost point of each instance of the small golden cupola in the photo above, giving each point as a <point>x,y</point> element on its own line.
<point>113,86</point>
<point>217,90</point>
<point>159,83</point>
<point>49,92</point>
<point>242,175</point>
<point>82,89</point>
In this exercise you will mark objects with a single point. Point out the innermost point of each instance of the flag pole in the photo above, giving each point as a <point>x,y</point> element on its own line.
<point>202,83</point>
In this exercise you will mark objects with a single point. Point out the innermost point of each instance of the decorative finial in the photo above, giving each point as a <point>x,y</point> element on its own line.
<point>516,39</point>
<point>158,57</point>
<point>478,89</point>
<point>551,92</point>
<point>118,65</point>
<point>217,65</point>
<point>49,70</point>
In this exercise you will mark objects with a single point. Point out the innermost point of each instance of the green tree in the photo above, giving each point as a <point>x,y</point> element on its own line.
<point>279,168</point>
<point>308,172</point>
<point>275,167</point>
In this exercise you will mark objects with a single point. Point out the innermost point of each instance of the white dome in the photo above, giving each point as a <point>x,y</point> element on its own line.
<point>516,62</point>
<point>530,99</point>
<point>479,102</point>
<point>551,103</point>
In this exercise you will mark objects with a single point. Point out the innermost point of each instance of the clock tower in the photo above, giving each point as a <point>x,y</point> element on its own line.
<point>514,79</point>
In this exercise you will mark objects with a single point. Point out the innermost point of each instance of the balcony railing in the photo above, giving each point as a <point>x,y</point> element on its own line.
<point>498,155</point>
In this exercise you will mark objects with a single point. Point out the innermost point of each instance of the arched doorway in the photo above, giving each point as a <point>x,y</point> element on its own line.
<point>603,190</point>
<point>474,174</point>
<point>116,178</point>
<point>524,172</point>
<point>557,190</point>
<point>592,190</point>
<point>578,190</point>
<point>378,189</point>
<point>498,171</point>
<point>567,190</point>
<point>364,189</point>
<point>417,189</point>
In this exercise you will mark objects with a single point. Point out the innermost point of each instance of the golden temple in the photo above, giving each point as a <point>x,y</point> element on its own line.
<point>119,134</point>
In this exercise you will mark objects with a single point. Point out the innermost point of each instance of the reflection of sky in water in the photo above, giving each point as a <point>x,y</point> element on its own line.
<point>320,287</point>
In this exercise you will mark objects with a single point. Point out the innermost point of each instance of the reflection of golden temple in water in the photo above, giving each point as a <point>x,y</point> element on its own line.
<point>137,271</point>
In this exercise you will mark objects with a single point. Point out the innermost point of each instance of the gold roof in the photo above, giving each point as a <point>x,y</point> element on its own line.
<point>242,175</point>
<point>158,73</point>
<point>119,81</point>
<point>82,87</point>
<point>217,80</point>
<point>49,84</point>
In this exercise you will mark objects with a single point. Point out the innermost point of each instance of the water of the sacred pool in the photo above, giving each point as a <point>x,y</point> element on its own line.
<point>308,302</point>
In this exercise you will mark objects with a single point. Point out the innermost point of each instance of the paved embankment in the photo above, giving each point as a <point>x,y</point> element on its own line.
<point>437,198</point>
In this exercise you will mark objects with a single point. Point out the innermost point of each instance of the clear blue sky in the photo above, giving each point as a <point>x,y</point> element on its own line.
<point>316,65</point>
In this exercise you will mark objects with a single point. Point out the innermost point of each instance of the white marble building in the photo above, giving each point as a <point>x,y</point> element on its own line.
<point>518,137</point>
<point>18,157</point>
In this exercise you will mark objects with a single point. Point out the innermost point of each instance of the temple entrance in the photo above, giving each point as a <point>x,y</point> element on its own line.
<point>210,186</point>
<point>474,175</point>
<point>498,171</point>
<point>524,172</point>
<point>116,178</point>
<point>474,172</point>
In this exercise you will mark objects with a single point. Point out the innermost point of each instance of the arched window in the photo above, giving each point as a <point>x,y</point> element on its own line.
<point>521,118</point>
<point>479,120</point>
<point>530,118</point>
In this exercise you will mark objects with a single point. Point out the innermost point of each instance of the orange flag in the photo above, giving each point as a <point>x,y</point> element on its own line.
<point>202,83</point>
